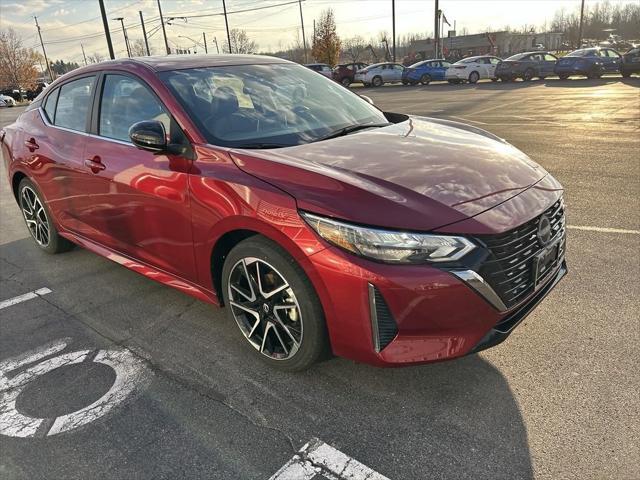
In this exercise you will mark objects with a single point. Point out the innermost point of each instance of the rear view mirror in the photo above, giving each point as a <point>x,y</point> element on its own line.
<point>149,135</point>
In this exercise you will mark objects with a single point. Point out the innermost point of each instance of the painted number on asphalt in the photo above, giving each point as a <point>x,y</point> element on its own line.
<point>130,374</point>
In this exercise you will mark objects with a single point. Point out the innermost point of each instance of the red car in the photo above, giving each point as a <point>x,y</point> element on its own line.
<point>345,72</point>
<point>321,223</point>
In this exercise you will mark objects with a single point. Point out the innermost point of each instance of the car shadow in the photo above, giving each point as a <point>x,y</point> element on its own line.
<point>457,419</point>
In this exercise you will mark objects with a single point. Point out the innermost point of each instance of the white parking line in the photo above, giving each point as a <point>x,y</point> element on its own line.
<point>318,458</point>
<point>603,229</point>
<point>23,298</point>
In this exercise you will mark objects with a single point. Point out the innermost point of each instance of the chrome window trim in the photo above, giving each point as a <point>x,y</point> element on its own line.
<point>114,140</point>
<point>46,121</point>
<point>479,284</point>
<point>375,333</point>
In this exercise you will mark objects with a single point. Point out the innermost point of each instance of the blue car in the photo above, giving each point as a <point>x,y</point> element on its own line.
<point>590,62</point>
<point>425,71</point>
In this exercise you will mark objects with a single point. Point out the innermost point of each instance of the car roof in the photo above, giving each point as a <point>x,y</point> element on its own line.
<point>316,65</point>
<point>161,63</point>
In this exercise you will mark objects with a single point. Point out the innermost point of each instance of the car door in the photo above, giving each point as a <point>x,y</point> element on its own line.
<point>548,64</point>
<point>491,66</point>
<point>397,73</point>
<point>613,60</point>
<point>386,73</point>
<point>138,202</point>
<point>439,68</point>
<point>56,145</point>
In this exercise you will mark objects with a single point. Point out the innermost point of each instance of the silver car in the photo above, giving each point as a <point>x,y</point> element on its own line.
<point>7,101</point>
<point>380,73</point>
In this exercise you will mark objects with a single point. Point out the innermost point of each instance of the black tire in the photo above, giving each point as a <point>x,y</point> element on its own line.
<point>346,81</point>
<point>405,82</point>
<point>425,79</point>
<point>453,82</point>
<point>377,81</point>
<point>314,343</point>
<point>494,79</point>
<point>505,79</point>
<point>563,76</point>
<point>474,77</point>
<point>528,74</point>
<point>626,74</point>
<point>594,73</point>
<point>54,243</point>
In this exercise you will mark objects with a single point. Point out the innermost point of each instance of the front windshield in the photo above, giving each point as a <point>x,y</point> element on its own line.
<point>271,105</point>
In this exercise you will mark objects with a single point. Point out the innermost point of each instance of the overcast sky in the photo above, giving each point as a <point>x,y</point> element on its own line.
<point>68,23</point>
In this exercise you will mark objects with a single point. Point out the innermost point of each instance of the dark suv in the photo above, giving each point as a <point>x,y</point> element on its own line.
<point>630,62</point>
<point>345,72</point>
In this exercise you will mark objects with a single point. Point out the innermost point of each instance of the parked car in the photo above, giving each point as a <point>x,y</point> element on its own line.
<point>472,69</point>
<point>321,68</point>
<point>425,71</point>
<point>590,62</point>
<point>630,62</point>
<point>299,217</point>
<point>345,72</point>
<point>380,73</point>
<point>526,66</point>
<point>7,101</point>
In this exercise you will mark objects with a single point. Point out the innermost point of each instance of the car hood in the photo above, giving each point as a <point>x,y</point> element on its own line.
<point>421,174</point>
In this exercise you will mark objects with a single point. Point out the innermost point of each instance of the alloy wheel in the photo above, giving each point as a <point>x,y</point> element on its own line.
<point>35,216</point>
<point>265,308</point>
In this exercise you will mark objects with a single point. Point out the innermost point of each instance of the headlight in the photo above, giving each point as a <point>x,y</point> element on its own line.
<point>389,246</point>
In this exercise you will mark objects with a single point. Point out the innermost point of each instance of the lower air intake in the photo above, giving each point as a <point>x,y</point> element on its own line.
<point>383,325</point>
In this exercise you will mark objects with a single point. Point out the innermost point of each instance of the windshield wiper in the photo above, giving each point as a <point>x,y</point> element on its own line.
<point>341,132</point>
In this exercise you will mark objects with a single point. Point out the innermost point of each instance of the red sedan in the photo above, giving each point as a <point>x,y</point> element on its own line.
<point>321,223</point>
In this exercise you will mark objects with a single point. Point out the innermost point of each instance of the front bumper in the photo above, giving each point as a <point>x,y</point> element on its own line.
<point>437,315</point>
<point>453,74</point>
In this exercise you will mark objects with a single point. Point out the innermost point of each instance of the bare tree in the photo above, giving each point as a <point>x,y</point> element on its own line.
<point>95,58</point>
<point>17,63</point>
<point>240,42</point>
<point>139,49</point>
<point>355,48</point>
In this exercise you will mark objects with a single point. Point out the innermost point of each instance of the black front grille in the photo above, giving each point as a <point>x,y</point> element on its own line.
<point>509,269</point>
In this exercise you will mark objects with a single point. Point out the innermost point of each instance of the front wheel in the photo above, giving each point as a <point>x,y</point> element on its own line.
<point>38,219</point>
<point>528,75</point>
<point>274,305</point>
<point>563,76</point>
<point>474,77</point>
<point>425,79</point>
<point>377,82</point>
<point>626,74</point>
<point>346,81</point>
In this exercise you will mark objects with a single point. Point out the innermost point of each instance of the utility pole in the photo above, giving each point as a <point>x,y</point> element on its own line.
<point>126,39</point>
<point>581,24</point>
<point>44,52</point>
<point>215,40</point>
<point>304,39</point>
<point>436,27</point>
<point>105,24</point>
<point>164,32</point>
<point>144,33</point>
<point>204,40</point>
<point>393,27</point>
<point>84,56</point>
<point>226,22</point>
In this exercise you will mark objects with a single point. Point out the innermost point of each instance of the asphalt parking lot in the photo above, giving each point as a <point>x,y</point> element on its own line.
<point>174,392</point>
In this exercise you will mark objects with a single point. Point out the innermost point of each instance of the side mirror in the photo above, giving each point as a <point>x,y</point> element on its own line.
<point>368,99</point>
<point>149,135</point>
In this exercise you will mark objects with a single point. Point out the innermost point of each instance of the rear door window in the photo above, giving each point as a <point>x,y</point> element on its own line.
<point>73,104</point>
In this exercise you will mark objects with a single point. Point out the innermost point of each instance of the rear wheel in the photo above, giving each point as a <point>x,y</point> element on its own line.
<point>38,219</point>
<point>528,74</point>
<point>346,81</point>
<point>595,72</point>
<point>474,77</point>
<point>563,76</point>
<point>425,79</point>
<point>377,81</point>
<point>274,305</point>
<point>626,74</point>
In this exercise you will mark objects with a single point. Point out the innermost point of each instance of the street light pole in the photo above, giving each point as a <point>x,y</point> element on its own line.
<point>226,22</point>
<point>304,40</point>
<point>83,55</point>
<point>164,32</point>
<point>436,27</point>
<point>581,25</point>
<point>144,33</point>
<point>126,39</point>
<point>393,28</point>
<point>44,52</point>
<point>204,39</point>
<point>105,24</point>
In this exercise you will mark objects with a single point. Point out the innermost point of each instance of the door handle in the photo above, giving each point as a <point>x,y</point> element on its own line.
<point>31,144</point>
<point>94,164</point>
